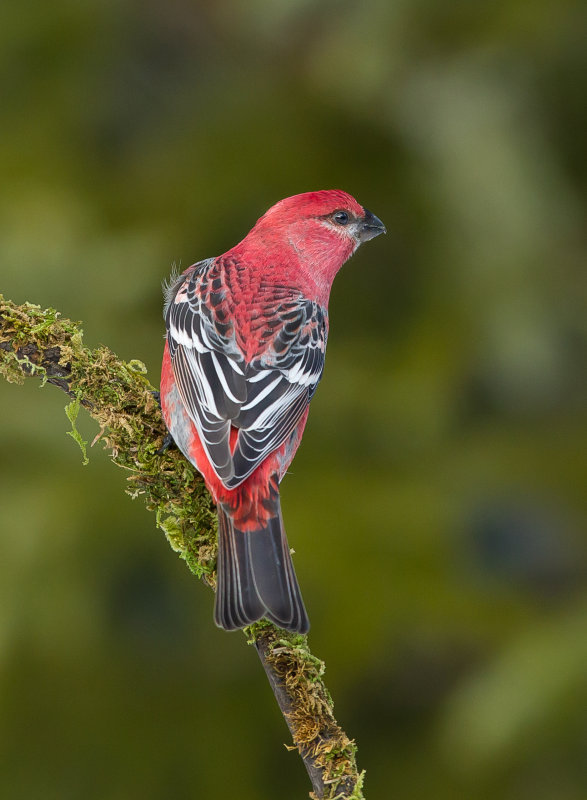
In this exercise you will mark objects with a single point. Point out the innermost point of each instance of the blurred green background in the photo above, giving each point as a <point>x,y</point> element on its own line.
<point>438,504</point>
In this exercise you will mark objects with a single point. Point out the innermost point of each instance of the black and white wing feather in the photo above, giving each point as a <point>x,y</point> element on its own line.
<point>280,383</point>
<point>265,397</point>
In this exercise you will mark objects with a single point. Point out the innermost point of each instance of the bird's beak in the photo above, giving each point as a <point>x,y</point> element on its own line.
<point>370,227</point>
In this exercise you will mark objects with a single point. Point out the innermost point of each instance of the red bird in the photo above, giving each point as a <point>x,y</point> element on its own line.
<point>246,338</point>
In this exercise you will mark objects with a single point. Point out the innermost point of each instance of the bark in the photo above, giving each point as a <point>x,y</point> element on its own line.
<point>37,342</point>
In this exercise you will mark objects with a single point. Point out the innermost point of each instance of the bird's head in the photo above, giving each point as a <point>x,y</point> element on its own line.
<point>315,231</point>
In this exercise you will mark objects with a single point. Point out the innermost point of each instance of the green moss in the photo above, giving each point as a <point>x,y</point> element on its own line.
<point>72,410</point>
<point>11,368</point>
<point>119,397</point>
<point>314,729</point>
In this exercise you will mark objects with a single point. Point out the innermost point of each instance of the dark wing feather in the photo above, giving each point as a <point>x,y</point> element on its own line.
<point>265,398</point>
<point>208,367</point>
<point>280,383</point>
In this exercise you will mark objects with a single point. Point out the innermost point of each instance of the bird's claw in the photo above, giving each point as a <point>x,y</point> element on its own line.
<point>168,438</point>
<point>167,443</point>
<point>157,396</point>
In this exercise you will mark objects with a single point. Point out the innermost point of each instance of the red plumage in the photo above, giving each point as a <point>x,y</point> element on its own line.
<point>246,339</point>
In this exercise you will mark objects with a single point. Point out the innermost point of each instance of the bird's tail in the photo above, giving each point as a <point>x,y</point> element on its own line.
<point>255,576</point>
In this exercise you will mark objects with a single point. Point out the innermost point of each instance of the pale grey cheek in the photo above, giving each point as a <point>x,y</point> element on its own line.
<point>179,423</point>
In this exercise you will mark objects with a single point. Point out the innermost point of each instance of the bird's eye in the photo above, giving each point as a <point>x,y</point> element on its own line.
<point>341,217</point>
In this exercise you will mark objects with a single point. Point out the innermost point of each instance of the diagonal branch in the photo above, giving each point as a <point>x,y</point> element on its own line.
<point>39,343</point>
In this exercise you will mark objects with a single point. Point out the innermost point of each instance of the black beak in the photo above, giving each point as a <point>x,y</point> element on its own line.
<point>370,227</point>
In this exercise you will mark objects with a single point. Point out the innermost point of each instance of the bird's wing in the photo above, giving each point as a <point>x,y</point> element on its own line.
<point>280,383</point>
<point>266,397</point>
<point>207,365</point>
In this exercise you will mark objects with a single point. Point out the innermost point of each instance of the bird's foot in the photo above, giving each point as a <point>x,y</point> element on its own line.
<point>167,443</point>
<point>168,439</point>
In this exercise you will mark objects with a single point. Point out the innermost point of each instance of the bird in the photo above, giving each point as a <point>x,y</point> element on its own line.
<point>246,337</point>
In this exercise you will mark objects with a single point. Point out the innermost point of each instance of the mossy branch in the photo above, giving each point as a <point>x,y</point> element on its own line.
<point>37,342</point>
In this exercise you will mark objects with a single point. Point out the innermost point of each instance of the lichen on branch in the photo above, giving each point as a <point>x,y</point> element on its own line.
<point>39,343</point>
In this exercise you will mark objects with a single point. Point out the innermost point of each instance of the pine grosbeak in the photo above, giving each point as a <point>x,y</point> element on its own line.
<point>246,338</point>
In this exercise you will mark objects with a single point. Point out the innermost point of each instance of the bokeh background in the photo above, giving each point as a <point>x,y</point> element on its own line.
<point>438,504</point>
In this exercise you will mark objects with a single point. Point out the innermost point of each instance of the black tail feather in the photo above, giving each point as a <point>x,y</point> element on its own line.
<point>256,577</point>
